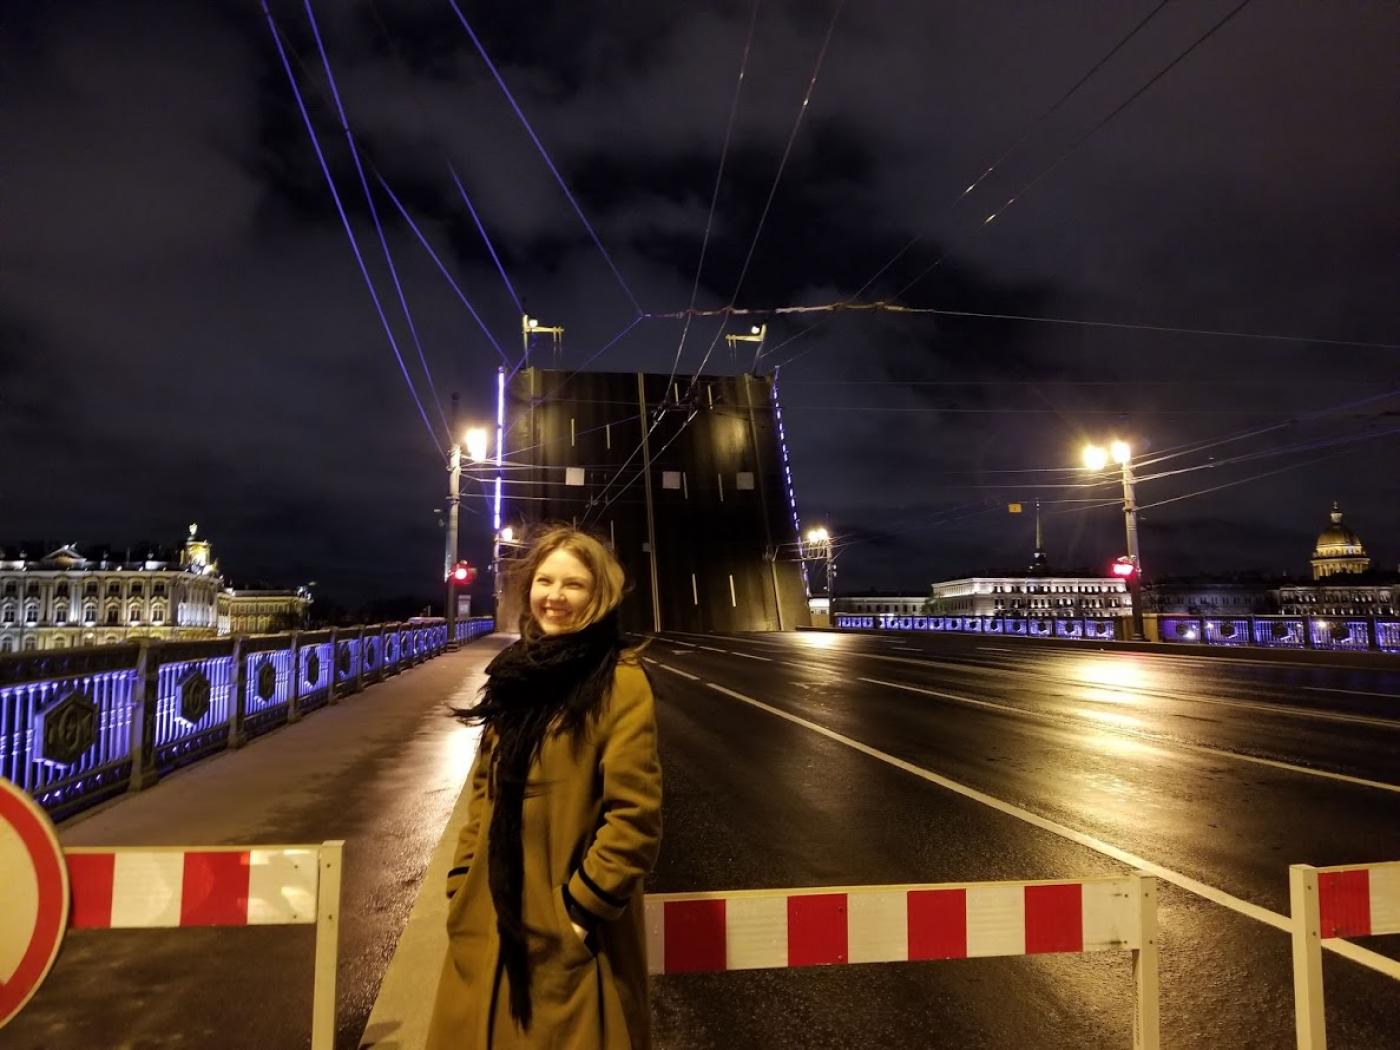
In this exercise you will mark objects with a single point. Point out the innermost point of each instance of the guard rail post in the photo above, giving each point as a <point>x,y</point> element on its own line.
<point>1310,1017</point>
<point>143,715</point>
<point>238,706</point>
<point>1147,1023</point>
<point>331,672</point>
<point>294,686</point>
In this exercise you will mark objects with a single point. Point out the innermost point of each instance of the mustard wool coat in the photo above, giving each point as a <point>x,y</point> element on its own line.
<point>591,820</point>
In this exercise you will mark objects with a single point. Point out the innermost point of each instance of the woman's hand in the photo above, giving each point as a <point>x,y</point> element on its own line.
<point>582,933</point>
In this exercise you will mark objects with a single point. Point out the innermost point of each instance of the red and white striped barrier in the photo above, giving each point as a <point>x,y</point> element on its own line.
<point>751,929</point>
<point>165,886</point>
<point>1349,900</point>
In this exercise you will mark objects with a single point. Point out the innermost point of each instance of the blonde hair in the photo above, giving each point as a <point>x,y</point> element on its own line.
<point>609,581</point>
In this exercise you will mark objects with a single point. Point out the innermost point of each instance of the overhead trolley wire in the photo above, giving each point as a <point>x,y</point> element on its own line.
<point>777,177</point>
<point>374,214</point>
<point>758,230</point>
<point>1016,144</point>
<point>714,194</point>
<point>345,222</point>
<point>430,119</point>
<point>520,114</point>
<point>442,267</point>
<point>1094,129</point>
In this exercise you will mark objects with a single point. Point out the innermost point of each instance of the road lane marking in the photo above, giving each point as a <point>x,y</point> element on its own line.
<point>675,670</point>
<point>1153,738</point>
<point>1370,959</point>
<point>1352,692</point>
<point>1282,710</point>
<point>749,656</point>
<point>712,649</point>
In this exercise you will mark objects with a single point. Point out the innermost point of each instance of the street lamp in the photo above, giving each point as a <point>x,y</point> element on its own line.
<point>477,442</point>
<point>1096,458</point>
<point>820,540</point>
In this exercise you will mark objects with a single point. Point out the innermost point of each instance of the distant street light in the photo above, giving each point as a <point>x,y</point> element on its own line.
<point>1096,458</point>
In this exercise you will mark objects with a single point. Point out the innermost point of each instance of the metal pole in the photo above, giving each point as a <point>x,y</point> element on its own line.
<point>769,551</point>
<point>1130,523</point>
<point>651,516</point>
<point>454,498</point>
<point>830,583</point>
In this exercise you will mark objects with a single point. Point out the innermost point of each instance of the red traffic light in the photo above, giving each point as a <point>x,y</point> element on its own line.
<point>463,573</point>
<point>1124,567</point>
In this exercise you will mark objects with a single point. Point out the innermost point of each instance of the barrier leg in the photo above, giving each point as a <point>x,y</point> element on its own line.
<point>327,942</point>
<point>1147,1027</point>
<point>1309,1014</point>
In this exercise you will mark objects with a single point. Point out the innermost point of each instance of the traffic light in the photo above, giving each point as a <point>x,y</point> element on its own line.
<point>463,573</point>
<point>1124,568</point>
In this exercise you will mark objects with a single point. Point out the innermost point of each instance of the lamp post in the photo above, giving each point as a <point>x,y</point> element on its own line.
<point>820,540</point>
<point>475,441</point>
<point>1096,458</point>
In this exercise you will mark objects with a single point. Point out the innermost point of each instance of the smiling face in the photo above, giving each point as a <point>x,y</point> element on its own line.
<point>560,592</point>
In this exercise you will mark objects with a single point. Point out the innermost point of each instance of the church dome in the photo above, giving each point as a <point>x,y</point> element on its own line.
<point>1337,539</point>
<point>1338,549</point>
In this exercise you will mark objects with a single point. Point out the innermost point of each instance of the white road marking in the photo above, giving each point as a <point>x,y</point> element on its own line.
<point>1161,741</point>
<point>1281,710</point>
<point>1367,958</point>
<point>1351,692</point>
<point>677,670</point>
<point>749,656</point>
<point>712,649</point>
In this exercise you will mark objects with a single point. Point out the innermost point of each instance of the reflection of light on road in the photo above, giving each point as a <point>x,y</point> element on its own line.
<point>1112,718</point>
<point>461,753</point>
<point>819,639</point>
<point>1120,674</point>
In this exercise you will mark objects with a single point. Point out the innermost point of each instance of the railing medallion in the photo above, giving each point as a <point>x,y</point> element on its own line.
<point>67,729</point>
<point>267,680</point>
<point>194,696</point>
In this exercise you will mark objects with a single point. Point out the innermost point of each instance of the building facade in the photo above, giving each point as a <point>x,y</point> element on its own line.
<point>870,604</point>
<point>1343,584</point>
<point>244,611</point>
<point>65,599</point>
<point>1030,596</point>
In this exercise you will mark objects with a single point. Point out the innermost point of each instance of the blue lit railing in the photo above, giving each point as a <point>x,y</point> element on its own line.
<point>268,680</point>
<point>78,726</point>
<point>475,627</point>
<point>65,725</point>
<point>1085,629</point>
<point>315,657</point>
<point>194,692</point>
<point>1339,634</point>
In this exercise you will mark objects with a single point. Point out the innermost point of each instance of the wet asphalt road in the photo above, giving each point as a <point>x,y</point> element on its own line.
<point>1173,758</point>
<point>1211,768</point>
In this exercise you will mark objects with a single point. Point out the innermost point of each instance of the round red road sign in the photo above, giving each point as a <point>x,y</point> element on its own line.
<point>35,914</point>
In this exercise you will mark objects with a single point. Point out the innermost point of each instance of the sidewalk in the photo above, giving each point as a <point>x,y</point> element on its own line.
<point>381,769</point>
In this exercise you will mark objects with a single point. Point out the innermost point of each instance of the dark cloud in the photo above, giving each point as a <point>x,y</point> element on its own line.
<point>184,334</point>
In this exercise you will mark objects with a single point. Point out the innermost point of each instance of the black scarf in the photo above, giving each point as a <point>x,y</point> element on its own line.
<point>551,683</point>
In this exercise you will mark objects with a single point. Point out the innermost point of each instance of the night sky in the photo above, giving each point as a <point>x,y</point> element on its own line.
<point>185,335</point>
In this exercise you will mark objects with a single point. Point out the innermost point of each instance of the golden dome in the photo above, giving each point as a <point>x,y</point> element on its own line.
<point>1338,549</point>
<point>1336,540</point>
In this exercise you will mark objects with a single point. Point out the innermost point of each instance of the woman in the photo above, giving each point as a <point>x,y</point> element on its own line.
<point>546,933</point>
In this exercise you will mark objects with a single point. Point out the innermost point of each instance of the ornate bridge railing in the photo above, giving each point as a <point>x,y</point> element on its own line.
<point>1339,633</point>
<point>78,726</point>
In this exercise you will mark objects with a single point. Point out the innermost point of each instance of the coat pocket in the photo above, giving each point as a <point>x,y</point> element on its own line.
<point>573,950</point>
